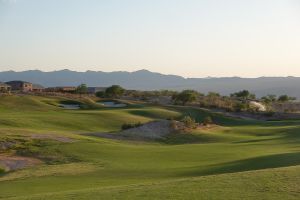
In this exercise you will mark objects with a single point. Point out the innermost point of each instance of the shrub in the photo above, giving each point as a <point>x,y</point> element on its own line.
<point>100,94</point>
<point>239,107</point>
<point>185,97</point>
<point>114,91</point>
<point>2,170</point>
<point>207,120</point>
<point>126,126</point>
<point>189,122</point>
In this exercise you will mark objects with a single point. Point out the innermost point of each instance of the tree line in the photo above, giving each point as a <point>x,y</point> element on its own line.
<point>237,101</point>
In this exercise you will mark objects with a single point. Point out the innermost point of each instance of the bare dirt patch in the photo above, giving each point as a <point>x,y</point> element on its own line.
<point>53,137</point>
<point>5,145</point>
<point>150,131</point>
<point>12,163</point>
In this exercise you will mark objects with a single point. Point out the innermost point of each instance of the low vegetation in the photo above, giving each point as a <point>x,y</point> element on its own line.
<point>1,170</point>
<point>131,125</point>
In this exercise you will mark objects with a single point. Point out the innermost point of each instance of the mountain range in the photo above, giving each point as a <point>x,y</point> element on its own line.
<point>146,80</point>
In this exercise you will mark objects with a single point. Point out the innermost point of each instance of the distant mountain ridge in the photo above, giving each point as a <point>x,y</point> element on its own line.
<point>146,80</point>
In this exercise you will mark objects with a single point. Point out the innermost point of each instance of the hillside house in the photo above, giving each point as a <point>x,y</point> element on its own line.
<point>37,88</point>
<point>62,89</point>
<point>4,88</point>
<point>20,86</point>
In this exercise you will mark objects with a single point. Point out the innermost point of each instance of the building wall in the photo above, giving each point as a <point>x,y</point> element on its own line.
<point>5,89</point>
<point>20,86</point>
<point>27,87</point>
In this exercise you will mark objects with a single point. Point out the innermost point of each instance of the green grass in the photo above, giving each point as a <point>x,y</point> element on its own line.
<point>284,184</point>
<point>241,159</point>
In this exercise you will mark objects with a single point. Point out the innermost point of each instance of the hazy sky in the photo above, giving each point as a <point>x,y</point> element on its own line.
<point>193,38</point>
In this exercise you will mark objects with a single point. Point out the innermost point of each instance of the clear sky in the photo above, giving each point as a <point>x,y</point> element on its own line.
<point>192,38</point>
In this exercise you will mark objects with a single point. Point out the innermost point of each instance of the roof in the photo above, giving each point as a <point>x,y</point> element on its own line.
<point>97,88</point>
<point>37,86</point>
<point>12,82</point>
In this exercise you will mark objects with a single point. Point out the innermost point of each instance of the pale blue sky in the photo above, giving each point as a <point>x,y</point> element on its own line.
<point>193,38</point>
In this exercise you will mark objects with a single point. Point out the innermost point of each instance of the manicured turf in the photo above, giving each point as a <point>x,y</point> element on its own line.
<point>241,159</point>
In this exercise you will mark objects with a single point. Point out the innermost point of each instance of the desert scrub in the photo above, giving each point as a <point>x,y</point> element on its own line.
<point>129,126</point>
<point>46,150</point>
<point>1,170</point>
<point>189,122</point>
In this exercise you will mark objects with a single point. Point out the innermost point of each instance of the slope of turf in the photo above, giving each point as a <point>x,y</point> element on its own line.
<point>282,183</point>
<point>207,164</point>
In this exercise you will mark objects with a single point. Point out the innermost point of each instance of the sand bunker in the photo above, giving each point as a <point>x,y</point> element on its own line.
<point>151,131</point>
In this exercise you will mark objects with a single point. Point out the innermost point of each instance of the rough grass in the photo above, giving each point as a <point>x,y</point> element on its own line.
<point>242,159</point>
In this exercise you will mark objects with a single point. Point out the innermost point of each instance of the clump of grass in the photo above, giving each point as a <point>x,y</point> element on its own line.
<point>129,126</point>
<point>46,150</point>
<point>1,170</point>
<point>189,122</point>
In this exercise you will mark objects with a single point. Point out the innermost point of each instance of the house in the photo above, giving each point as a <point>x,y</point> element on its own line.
<point>94,90</point>
<point>4,88</point>
<point>62,89</point>
<point>20,86</point>
<point>37,88</point>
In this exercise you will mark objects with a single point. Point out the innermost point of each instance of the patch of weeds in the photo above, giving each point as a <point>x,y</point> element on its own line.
<point>45,150</point>
<point>129,126</point>
<point>2,171</point>
<point>8,143</point>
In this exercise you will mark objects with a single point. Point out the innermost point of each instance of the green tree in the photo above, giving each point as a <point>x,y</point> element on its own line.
<point>269,98</point>
<point>186,96</point>
<point>114,91</point>
<point>100,94</point>
<point>82,89</point>
<point>244,94</point>
<point>189,122</point>
<point>284,98</point>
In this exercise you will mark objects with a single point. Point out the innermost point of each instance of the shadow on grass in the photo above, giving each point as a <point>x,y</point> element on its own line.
<point>191,138</point>
<point>257,163</point>
<point>280,135</point>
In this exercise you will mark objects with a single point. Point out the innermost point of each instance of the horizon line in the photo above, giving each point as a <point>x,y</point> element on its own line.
<point>146,70</point>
